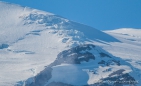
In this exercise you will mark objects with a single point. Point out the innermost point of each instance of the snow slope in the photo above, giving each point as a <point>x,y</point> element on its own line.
<point>130,42</point>
<point>84,65</point>
<point>31,39</point>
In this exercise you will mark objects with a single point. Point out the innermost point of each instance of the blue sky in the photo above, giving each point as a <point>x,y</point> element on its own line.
<point>100,14</point>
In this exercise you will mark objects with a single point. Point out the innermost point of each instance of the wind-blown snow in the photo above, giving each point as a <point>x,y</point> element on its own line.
<point>31,39</point>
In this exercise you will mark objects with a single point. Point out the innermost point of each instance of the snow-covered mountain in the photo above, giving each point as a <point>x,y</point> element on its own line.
<point>38,48</point>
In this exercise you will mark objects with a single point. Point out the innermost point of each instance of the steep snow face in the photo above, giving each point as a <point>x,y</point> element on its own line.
<point>31,39</point>
<point>18,22</point>
<point>24,48</point>
<point>14,16</point>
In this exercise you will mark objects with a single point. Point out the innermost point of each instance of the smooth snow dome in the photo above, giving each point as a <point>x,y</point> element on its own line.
<point>31,39</point>
<point>127,31</point>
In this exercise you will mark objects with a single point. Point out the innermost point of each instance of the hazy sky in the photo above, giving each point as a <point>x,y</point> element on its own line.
<point>100,14</point>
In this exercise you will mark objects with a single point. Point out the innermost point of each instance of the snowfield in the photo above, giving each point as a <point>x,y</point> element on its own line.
<point>39,48</point>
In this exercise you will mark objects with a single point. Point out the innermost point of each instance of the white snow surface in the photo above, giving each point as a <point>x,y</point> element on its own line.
<point>31,39</point>
<point>130,45</point>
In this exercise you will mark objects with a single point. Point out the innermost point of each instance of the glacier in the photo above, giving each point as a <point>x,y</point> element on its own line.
<point>39,48</point>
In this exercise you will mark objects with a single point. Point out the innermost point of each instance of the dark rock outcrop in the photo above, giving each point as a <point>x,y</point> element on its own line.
<point>41,78</point>
<point>75,56</point>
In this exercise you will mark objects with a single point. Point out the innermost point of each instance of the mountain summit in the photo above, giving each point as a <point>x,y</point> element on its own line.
<point>39,48</point>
